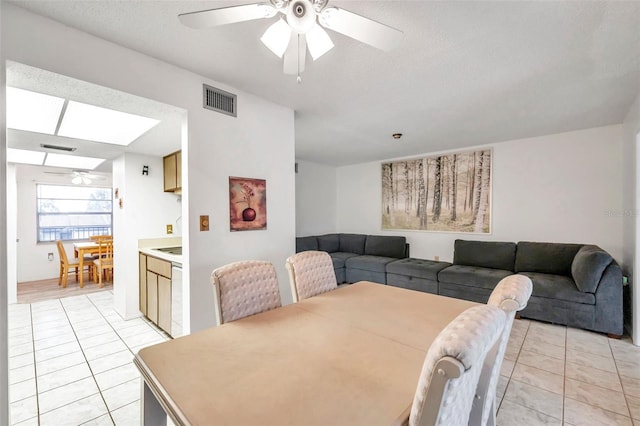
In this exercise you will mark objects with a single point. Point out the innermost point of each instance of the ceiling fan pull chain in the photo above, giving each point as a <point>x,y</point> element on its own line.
<point>299,79</point>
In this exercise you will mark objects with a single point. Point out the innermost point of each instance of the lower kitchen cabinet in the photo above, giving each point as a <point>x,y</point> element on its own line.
<point>155,290</point>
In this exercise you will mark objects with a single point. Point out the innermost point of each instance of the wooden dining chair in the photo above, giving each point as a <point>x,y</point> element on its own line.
<point>66,265</point>
<point>310,273</point>
<point>452,367</point>
<point>511,295</point>
<point>244,288</point>
<point>103,264</point>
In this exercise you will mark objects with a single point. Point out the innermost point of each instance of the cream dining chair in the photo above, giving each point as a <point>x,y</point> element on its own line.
<point>511,295</point>
<point>452,368</point>
<point>310,273</point>
<point>244,288</point>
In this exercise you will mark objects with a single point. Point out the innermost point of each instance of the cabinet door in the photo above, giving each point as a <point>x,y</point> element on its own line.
<point>164,303</point>
<point>179,170</point>
<point>152,297</point>
<point>170,173</point>
<point>143,283</point>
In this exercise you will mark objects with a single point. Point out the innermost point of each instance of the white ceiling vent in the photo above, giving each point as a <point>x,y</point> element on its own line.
<point>218,100</point>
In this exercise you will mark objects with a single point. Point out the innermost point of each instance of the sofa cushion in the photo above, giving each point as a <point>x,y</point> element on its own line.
<point>306,243</point>
<point>369,263</point>
<point>352,243</point>
<point>485,254</point>
<point>419,268</point>
<point>329,242</point>
<point>558,287</point>
<point>386,246</point>
<point>546,258</point>
<point>472,276</point>
<point>339,258</point>
<point>588,266</point>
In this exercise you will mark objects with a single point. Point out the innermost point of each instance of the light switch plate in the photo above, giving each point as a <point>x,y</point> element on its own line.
<point>204,222</point>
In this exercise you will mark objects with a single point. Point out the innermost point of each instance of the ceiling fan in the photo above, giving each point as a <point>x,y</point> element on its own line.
<point>300,27</point>
<point>79,177</point>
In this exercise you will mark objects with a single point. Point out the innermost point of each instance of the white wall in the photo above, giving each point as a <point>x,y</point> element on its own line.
<point>145,212</point>
<point>556,188</point>
<point>4,360</point>
<point>315,199</point>
<point>258,143</point>
<point>31,259</point>
<point>632,210</point>
<point>12,234</point>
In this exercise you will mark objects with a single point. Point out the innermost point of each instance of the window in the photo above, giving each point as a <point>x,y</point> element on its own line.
<point>69,213</point>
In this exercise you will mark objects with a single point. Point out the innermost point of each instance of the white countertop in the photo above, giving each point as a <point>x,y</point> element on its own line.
<point>149,246</point>
<point>173,258</point>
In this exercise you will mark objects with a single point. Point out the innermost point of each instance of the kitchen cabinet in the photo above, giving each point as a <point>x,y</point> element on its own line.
<point>155,290</point>
<point>173,172</point>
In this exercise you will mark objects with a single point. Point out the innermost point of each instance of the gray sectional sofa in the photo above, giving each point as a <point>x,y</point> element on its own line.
<point>357,257</point>
<point>573,284</point>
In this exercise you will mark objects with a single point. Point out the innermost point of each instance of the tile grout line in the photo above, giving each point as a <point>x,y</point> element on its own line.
<point>35,365</point>
<point>87,361</point>
<point>564,373</point>
<point>624,395</point>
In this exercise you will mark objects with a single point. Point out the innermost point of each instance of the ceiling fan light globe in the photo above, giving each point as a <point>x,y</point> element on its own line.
<point>319,5</point>
<point>279,4</point>
<point>300,16</point>
<point>77,180</point>
<point>318,42</point>
<point>277,37</point>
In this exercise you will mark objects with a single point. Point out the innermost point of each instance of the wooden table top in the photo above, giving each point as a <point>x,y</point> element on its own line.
<point>350,356</point>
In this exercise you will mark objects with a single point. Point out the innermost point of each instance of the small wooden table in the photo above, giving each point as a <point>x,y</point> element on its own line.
<point>350,356</point>
<point>79,250</point>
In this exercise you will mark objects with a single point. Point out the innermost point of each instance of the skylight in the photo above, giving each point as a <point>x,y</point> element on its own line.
<point>33,112</point>
<point>83,121</point>
<point>24,156</point>
<point>72,161</point>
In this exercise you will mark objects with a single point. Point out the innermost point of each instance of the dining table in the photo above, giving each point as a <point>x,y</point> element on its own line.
<point>80,250</point>
<point>348,356</point>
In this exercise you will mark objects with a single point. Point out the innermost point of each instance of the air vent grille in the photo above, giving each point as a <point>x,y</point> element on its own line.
<point>58,147</point>
<point>220,101</point>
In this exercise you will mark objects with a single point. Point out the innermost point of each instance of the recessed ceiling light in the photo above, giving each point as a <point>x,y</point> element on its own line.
<point>89,122</point>
<point>72,161</point>
<point>31,111</point>
<point>24,156</point>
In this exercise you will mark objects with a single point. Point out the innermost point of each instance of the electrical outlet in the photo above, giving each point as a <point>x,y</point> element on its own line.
<point>169,229</point>
<point>204,223</point>
<point>436,258</point>
<point>50,257</point>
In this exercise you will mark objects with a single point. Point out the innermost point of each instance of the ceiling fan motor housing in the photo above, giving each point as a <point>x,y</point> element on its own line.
<point>301,16</point>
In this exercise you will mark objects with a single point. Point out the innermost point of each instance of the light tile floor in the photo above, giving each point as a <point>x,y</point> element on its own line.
<point>70,364</point>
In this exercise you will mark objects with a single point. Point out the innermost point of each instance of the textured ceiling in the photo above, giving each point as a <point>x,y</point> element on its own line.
<point>466,73</point>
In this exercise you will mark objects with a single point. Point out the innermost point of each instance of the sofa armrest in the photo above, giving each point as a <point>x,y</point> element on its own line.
<point>609,314</point>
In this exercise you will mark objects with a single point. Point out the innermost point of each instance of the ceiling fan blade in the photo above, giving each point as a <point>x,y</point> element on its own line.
<point>360,28</point>
<point>227,15</point>
<point>295,56</point>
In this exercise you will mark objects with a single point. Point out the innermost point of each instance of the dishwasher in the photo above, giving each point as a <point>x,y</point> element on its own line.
<point>176,300</point>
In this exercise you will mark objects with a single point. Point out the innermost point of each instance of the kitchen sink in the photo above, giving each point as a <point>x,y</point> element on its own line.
<point>171,250</point>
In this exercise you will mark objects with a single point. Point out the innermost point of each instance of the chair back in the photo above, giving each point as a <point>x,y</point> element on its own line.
<point>105,250</point>
<point>452,368</point>
<point>244,288</point>
<point>511,295</point>
<point>100,238</point>
<point>310,273</point>
<point>62,253</point>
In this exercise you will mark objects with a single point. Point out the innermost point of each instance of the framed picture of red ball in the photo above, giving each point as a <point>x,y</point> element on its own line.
<point>247,204</point>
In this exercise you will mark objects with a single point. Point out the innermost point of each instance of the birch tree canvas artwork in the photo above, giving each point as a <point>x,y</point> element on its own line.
<point>441,193</point>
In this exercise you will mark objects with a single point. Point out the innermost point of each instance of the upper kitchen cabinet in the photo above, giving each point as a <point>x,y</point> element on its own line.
<point>173,172</point>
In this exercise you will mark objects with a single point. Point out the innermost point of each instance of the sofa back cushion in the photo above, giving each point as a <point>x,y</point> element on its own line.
<point>546,258</point>
<point>588,266</point>
<point>485,254</point>
<point>387,246</point>
<point>352,243</point>
<point>329,243</point>
<point>306,243</point>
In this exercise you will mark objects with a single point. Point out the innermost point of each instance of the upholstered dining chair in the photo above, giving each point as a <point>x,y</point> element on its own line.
<point>511,295</point>
<point>452,368</point>
<point>103,264</point>
<point>66,265</point>
<point>310,273</point>
<point>244,288</point>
